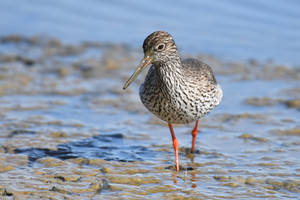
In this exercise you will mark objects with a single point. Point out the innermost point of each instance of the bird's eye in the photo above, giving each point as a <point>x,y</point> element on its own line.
<point>160,47</point>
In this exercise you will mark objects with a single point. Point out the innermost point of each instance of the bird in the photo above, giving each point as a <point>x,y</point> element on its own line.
<point>178,91</point>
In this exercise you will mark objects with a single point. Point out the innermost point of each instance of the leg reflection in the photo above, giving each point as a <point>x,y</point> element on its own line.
<point>193,179</point>
<point>188,176</point>
<point>174,177</point>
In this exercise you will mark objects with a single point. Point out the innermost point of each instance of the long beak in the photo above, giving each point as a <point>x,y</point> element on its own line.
<point>147,60</point>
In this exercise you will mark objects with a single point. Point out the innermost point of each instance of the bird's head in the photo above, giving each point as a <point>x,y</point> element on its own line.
<point>159,47</point>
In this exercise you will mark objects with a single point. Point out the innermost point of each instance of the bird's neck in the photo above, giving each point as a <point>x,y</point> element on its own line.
<point>169,74</point>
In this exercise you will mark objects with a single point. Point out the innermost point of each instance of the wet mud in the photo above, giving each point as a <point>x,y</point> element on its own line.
<point>69,131</point>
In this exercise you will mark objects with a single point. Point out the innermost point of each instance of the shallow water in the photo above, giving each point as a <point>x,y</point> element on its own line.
<point>234,30</point>
<point>69,131</point>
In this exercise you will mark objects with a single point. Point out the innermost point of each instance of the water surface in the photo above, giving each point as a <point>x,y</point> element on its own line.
<point>69,131</point>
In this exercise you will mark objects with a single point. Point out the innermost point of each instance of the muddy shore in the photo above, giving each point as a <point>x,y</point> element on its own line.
<point>69,131</point>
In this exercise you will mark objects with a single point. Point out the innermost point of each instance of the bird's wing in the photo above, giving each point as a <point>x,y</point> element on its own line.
<point>196,68</point>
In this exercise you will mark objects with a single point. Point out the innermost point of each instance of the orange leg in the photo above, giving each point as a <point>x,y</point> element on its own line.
<point>175,145</point>
<point>194,134</point>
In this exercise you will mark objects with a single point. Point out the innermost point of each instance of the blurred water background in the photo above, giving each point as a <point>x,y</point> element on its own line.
<point>229,29</point>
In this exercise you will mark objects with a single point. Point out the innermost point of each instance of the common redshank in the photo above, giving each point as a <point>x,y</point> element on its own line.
<point>176,91</point>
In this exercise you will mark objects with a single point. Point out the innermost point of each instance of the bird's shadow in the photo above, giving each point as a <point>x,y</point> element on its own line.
<point>110,147</point>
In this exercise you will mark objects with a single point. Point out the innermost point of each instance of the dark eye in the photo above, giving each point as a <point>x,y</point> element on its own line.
<point>160,47</point>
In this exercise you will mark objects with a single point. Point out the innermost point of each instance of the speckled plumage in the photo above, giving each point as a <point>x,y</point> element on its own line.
<point>178,91</point>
